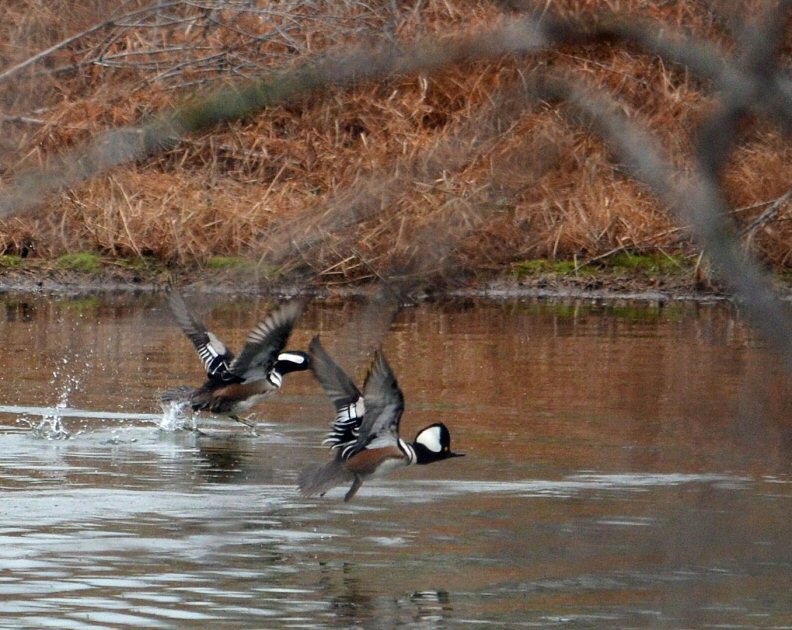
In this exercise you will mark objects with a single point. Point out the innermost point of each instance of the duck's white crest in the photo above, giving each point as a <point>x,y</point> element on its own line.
<point>430,438</point>
<point>290,356</point>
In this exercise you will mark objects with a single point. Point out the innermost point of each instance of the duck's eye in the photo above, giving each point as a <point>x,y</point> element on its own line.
<point>445,449</point>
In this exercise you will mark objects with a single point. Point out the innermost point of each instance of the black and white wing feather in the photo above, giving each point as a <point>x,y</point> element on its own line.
<point>384,404</point>
<point>265,342</point>
<point>346,397</point>
<point>213,352</point>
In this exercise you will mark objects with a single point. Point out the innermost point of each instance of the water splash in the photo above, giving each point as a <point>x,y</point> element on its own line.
<point>51,426</point>
<point>177,416</point>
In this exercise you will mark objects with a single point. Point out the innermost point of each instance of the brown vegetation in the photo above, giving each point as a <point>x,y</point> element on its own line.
<point>424,171</point>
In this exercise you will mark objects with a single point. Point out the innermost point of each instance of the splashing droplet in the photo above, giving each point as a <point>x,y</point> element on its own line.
<point>51,428</point>
<point>177,416</point>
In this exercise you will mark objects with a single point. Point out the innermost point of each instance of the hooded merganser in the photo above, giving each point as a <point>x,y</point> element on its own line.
<point>365,432</point>
<point>234,384</point>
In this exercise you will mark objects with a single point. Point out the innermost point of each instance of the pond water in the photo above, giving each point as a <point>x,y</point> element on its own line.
<point>626,465</point>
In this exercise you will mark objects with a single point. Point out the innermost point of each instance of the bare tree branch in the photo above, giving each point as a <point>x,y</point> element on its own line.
<point>697,199</point>
<point>753,82</point>
<point>233,103</point>
<point>13,70</point>
<point>767,215</point>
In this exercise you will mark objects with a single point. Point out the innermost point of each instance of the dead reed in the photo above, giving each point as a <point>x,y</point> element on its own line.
<point>419,174</point>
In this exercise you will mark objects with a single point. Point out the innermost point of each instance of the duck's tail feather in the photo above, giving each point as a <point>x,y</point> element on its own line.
<point>320,478</point>
<point>181,394</point>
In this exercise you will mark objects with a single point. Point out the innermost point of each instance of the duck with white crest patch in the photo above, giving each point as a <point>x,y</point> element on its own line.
<point>235,384</point>
<point>365,433</point>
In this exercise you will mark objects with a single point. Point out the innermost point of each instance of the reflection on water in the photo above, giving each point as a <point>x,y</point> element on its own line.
<point>627,466</point>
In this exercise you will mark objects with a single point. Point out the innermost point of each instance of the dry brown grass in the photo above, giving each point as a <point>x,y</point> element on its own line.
<point>414,175</point>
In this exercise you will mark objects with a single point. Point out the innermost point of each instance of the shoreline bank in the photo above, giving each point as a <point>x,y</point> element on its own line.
<point>604,287</point>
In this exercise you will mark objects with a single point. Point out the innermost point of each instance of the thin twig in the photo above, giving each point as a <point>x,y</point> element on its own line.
<point>629,245</point>
<point>6,74</point>
<point>766,216</point>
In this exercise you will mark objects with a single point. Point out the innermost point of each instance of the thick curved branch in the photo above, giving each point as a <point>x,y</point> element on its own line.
<point>697,199</point>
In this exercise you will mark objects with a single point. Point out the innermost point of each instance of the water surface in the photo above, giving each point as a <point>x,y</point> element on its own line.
<point>627,466</point>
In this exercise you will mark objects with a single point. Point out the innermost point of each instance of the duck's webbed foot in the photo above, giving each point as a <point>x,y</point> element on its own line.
<point>250,424</point>
<point>355,487</point>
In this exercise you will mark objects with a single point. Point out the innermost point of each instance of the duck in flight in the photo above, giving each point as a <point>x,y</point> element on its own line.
<point>365,432</point>
<point>234,384</point>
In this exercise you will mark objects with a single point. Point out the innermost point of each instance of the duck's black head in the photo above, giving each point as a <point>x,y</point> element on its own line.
<point>291,361</point>
<point>287,361</point>
<point>433,443</point>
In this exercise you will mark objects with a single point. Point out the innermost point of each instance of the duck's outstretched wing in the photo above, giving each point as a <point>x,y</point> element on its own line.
<point>346,397</point>
<point>384,405</point>
<point>267,339</point>
<point>213,352</point>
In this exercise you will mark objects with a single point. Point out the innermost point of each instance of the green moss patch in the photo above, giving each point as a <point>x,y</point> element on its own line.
<point>228,262</point>
<point>653,263</point>
<point>544,266</point>
<point>84,262</point>
<point>8,261</point>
